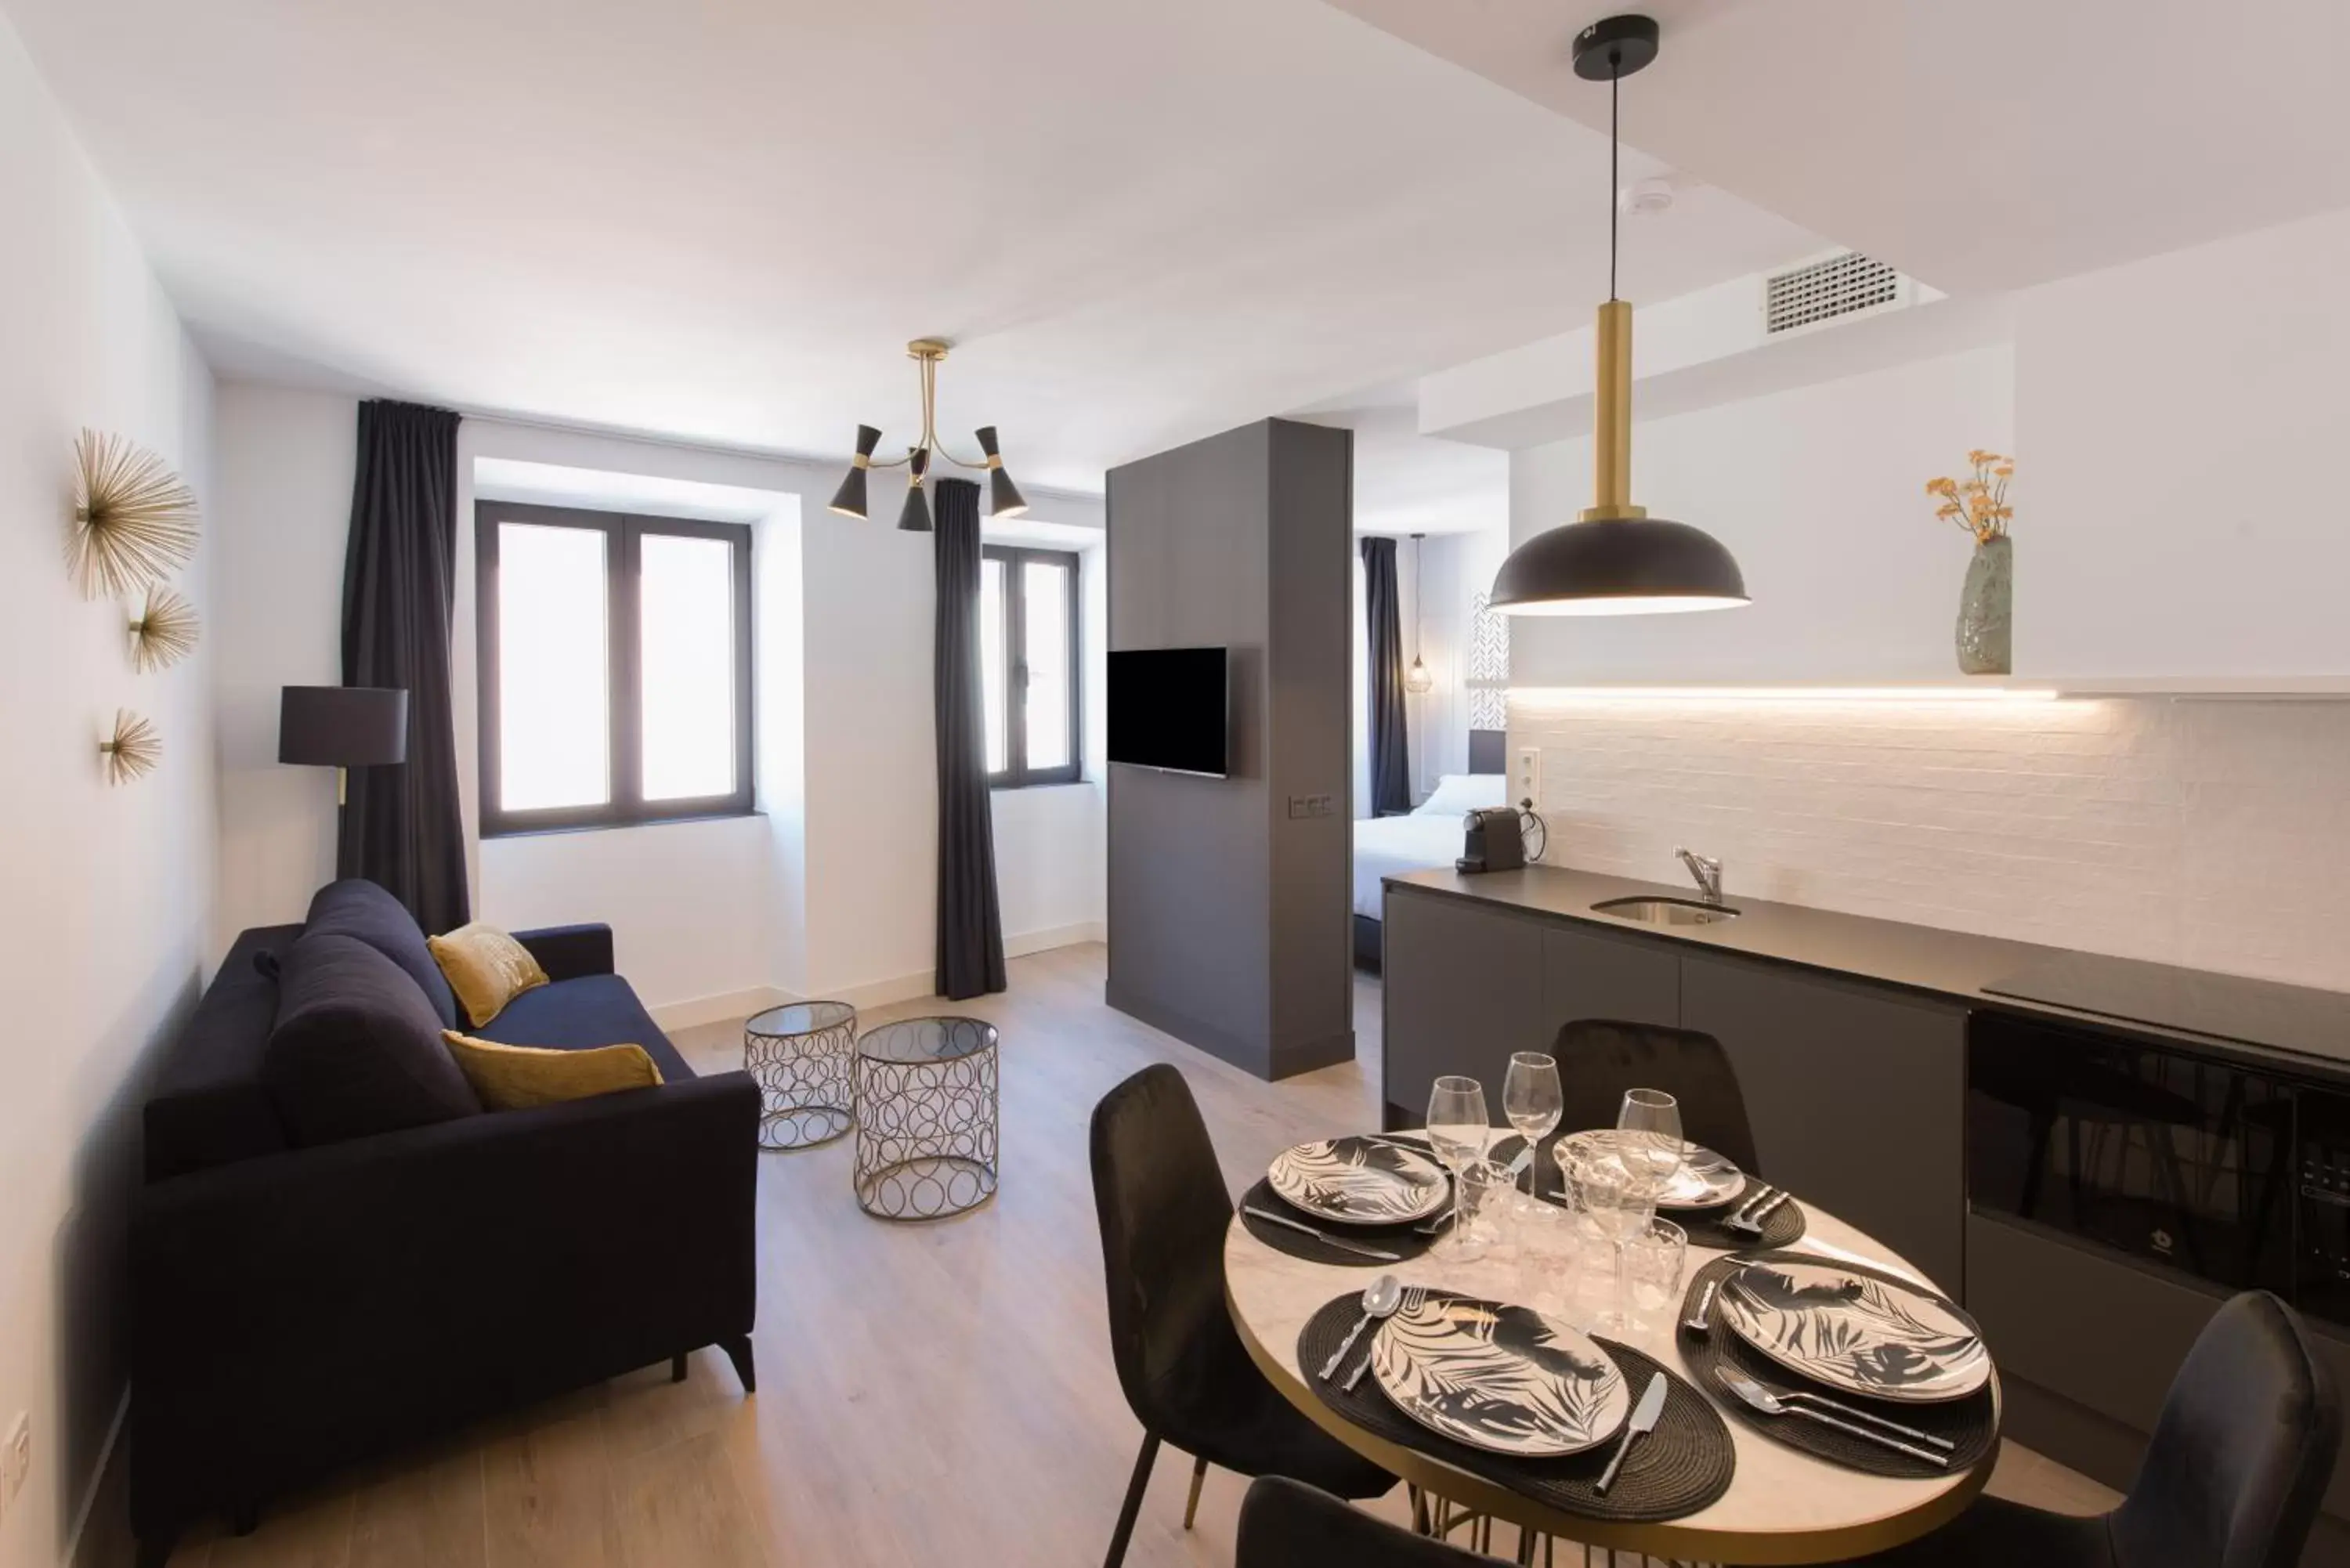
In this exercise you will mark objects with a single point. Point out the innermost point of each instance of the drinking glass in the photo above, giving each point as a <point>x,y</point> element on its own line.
<point>1617,1200</point>
<point>1479,1194</point>
<point>1649,1132</point>
<point>1458,1130</point>
<point>1532,1099</point>
<point>1652,1259</point>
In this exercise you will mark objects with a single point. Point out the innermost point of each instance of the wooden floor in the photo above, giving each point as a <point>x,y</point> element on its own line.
<point>938,1394</point>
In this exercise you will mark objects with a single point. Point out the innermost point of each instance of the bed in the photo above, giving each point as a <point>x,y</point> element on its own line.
<point>1430,836</point>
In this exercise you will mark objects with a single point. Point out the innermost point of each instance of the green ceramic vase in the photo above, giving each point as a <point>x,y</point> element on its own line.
<point>1986,608</point>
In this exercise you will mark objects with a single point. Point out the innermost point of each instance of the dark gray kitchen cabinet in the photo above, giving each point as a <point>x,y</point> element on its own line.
<point>1589,974</point>
<point>1465,990</point>
<point>1857,1096</point>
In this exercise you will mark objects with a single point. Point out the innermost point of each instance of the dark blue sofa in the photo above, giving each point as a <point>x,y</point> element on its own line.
<point>309,1291</point>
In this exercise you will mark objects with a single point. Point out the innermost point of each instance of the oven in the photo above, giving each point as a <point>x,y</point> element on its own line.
<point>2235,1175</point>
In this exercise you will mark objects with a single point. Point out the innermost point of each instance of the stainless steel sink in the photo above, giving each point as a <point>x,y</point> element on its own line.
<point>1665,911</point>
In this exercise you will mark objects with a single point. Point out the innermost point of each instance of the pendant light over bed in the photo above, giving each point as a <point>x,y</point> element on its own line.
<point>1617,559</point>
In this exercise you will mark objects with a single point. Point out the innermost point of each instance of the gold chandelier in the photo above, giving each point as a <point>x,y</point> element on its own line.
<point>1003,497</point>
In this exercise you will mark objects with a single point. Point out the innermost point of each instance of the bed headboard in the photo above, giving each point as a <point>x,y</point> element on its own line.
<point>1489,751</point>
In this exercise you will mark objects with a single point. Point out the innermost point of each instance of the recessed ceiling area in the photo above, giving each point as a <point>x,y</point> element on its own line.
<point>1982,145</point>
<point>1139,222</point>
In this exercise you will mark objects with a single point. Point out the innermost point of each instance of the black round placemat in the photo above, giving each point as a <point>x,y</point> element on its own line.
<point>1405,1242</point>
<point>1972,1423</point>
<point>1783,1227</point>
<point>1685,1464</point>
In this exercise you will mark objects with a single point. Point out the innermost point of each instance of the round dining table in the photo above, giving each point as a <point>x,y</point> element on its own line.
<point>1783,1505</point>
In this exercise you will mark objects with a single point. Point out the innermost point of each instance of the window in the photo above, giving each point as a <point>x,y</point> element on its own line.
<point>1028,665</point>
<point>615,667</point>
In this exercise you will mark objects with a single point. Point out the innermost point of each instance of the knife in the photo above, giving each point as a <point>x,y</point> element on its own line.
<point>1270,1218</point>
<point>1643,1421</point>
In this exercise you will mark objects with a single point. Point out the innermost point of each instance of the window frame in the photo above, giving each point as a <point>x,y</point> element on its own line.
<point>1016,773</point>
<point>623,535</point>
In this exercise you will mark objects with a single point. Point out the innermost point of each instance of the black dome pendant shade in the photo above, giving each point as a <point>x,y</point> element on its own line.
<point>1617,559</point>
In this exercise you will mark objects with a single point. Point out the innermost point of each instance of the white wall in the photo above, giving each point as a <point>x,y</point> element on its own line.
<point>2179,425</point>
<point>1819,492</point>
<point>2208,833</point>
<point>833,891</point>
<point>103,948</point>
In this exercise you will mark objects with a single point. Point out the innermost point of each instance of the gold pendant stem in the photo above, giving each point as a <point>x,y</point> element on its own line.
<point>1611,417</point>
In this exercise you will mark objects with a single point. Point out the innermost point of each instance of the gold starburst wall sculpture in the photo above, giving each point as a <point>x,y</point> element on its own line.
<point>163,633</point>
<point>134,521</point>
<point>133,750</point>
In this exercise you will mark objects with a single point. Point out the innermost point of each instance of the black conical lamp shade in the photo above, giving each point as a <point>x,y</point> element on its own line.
<point>914,517</point>
<point>1003,497</point>
<point>849,499</point>
<point>1623,565</point>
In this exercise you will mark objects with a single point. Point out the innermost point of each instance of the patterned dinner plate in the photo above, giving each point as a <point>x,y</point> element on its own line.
<point>1860,1334</point>
<point>1506,1379</point>
<point>1359,1181</point>
<point>1705,1179</point>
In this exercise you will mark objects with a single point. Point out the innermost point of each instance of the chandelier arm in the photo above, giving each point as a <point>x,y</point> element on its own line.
<point>889,461</point>
<point>941,449</point>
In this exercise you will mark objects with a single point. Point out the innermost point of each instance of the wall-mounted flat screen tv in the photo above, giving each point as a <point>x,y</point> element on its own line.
<point>1169,710</point>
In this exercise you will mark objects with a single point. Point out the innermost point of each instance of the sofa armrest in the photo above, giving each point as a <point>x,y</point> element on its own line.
<point>568,952</point>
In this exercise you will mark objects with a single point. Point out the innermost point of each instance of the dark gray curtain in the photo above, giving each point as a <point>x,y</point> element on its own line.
<point>970,925</point>
<point>401,825</point>
<point>1382,622</point>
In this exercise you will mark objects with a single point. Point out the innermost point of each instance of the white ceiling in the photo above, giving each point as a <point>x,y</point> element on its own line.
<point>1407,482</point>
<point>1977,144</point>
<point>718,219</point>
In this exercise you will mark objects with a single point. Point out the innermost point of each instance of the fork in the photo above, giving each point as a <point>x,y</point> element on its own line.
<point>1414,1298</point>
<point>1751,1217</point>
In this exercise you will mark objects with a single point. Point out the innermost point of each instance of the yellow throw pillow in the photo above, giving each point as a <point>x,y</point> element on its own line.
<point>486,968</point>
<point>516,1077</point>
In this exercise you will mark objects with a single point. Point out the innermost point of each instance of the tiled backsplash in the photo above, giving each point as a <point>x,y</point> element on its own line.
<point>2211,834</point>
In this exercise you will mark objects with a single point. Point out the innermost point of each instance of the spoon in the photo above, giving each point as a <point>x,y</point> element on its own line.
<point>1380,1298</point>
<point>1769,1403</point>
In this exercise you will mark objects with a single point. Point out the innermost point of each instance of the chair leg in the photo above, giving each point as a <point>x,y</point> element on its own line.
<point>1192,1504</point>
<point>738,1351</point>
<point>1133,1504</point>
<point>677,1369</point>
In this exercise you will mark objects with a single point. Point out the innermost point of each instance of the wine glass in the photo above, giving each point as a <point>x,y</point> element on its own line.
<point>1614,1196</point>
<point>1648,1133</point>
<point>1533,1100</point>
<point>1458,1130</point>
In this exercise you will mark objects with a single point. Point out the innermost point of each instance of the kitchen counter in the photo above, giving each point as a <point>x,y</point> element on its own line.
<point>1927,959</point>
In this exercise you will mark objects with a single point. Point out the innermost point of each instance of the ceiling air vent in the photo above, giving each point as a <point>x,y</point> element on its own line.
<point>1828,289</point>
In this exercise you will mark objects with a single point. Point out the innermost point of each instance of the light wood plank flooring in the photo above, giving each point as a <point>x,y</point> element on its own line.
<point>937,1393</point>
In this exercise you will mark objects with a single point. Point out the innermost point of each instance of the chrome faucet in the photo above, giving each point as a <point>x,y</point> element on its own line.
<point>1707,872</point>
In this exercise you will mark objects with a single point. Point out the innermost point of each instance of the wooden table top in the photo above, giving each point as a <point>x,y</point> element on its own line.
<point>1783,1506</point>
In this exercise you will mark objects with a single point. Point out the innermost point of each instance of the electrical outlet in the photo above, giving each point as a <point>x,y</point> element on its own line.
<point>15,1457</point>
<point>1300,807</point>
<point>1526,779</point>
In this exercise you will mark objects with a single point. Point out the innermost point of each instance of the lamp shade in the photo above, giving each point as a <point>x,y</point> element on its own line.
<point>342,726</point>
<point>849,499</point>
<point>1003,497</point>
<point>914,517</point>
<point>1619,566</point>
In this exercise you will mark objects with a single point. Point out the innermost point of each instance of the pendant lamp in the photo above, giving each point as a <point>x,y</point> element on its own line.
<point>1615,559</point>
<point>1416,680</point>
<point>1003,497</point>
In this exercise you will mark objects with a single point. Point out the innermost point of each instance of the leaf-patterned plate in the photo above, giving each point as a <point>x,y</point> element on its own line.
<point>1502,1378</point>
<point>1359,1181</point>
<point>1858,1333</point>
<point>1705,1179</point>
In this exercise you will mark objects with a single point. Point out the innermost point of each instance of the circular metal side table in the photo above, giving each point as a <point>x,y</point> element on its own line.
<point>927,1099</point>
<point>802,1054</point>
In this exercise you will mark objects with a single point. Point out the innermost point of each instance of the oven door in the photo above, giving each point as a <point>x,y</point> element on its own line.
<point>2167,1156</point>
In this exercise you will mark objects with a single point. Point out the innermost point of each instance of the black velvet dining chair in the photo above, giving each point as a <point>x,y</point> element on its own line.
<point>1286,1524</point>
<point>1163,1209</point>
<point>2240,1456</point>
<point>1600,1058</point>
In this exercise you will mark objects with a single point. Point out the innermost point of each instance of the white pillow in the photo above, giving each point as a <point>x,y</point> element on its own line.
<point>1457,794</point>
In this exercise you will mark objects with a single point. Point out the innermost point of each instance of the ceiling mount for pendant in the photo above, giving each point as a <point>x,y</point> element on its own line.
<point>1004,499</point>
<point>1615,559</point>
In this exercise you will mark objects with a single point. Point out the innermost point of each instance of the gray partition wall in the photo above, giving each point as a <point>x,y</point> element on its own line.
<point>1230,924</point>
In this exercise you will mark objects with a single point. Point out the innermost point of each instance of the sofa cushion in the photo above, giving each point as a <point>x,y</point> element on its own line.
<point>486,968</point>
<point>356,906</point>
<point>208,1107</point>
<point>356,1048</point>
<point>593,1009</point>
<point>516,1077</point>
